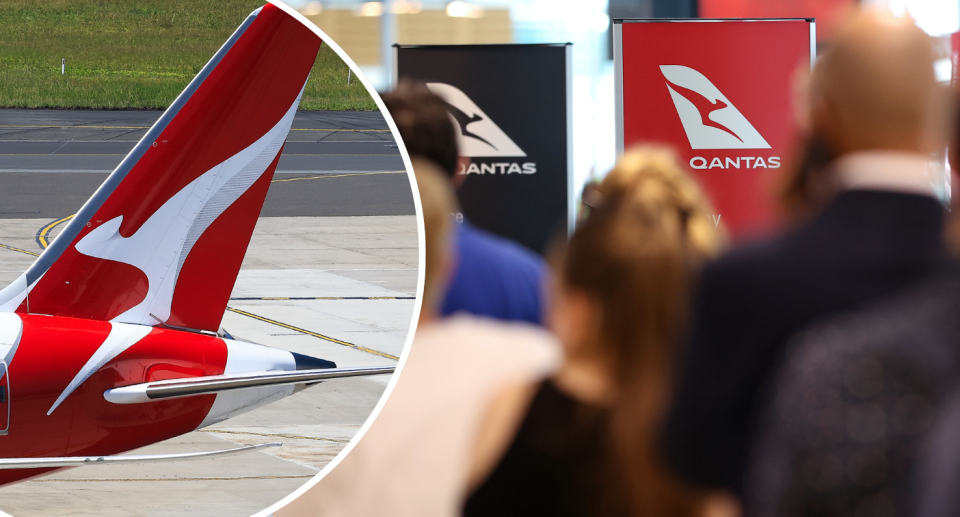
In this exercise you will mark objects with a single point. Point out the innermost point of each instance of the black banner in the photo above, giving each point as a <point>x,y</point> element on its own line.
<point>511,105</point>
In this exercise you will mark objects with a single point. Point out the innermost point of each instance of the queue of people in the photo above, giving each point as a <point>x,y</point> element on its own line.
<point>813,373</point>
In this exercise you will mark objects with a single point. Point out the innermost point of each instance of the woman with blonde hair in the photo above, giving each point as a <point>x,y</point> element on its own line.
<point>582,442</point>
<point>413,459</point>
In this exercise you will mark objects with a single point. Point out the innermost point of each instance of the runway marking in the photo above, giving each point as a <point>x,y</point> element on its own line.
<point>293,436</point>
<point>273,298</point>
<point>164,479</point>
<point>44,232</point>
<point>314,334</point>
<point>339,176</point>
<point>11,248</point>
<point>148,127</point>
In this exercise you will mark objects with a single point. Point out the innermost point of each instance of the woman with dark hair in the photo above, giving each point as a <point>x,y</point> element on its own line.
<point>583,442</point>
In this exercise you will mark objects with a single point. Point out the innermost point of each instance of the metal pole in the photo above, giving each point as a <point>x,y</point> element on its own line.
<point>63,66</point>
<point>388,36</point>
<point>349,73</point>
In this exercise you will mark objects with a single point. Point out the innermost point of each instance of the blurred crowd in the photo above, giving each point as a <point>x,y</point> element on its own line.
<point>648,368</point>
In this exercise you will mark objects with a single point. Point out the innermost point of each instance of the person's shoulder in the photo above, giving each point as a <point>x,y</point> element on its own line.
<point>481,338</point>
<point>492,248</point>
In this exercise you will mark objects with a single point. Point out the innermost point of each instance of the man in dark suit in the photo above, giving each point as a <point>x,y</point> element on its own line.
<point>875,105</point>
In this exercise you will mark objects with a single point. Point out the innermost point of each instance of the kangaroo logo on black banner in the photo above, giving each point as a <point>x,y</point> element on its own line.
<point>477,135</point>
<point>709,119</point>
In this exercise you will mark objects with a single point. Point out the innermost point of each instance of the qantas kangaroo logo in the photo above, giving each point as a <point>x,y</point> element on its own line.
<point>709,119</point>
<point>477,135</point>
<point>182,220</point>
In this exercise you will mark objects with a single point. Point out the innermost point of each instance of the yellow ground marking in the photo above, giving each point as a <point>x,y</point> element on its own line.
<point>164,479</point>
<point>314,334</point>
<point>271,435</point>
<point>44,233</point>
<point>11,248</point>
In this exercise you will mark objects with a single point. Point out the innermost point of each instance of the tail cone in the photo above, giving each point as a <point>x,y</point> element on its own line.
<point>305,362</point>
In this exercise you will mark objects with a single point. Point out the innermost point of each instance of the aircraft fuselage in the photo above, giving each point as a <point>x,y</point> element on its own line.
<point>59,368</point>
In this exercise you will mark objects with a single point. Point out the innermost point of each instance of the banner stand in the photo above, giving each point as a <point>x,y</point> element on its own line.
<point>512,107</point>
<point>719,92</point>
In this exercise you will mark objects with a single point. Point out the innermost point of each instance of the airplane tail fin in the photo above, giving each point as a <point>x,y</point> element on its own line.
<point>162,240</point>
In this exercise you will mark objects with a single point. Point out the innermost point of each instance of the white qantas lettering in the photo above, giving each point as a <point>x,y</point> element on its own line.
<point>499,168</point>
<point>747,162</point>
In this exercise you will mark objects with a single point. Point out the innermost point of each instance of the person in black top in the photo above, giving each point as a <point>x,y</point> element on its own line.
<point>582,442</point>
<point>875,104</point>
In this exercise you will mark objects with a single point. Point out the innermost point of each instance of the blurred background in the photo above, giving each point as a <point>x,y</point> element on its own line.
<point>367,31</point>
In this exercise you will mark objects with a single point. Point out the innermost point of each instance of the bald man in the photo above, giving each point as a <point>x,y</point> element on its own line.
<point>875,105</point>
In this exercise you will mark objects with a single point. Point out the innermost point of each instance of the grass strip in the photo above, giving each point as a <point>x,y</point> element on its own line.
<point>133,54</point>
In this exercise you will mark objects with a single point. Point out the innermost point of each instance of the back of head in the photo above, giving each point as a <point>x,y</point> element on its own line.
<point>650,225</point>
<point>653,179</point>
<point>875,88</point>
<point>633,255</point>
<point>424,124</point>
<point>437,201</point>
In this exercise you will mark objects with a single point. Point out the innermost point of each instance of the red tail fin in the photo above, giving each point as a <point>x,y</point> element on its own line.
<point>163,238</point>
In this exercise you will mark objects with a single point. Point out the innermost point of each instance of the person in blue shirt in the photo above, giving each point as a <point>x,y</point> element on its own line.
<point>494,276</point>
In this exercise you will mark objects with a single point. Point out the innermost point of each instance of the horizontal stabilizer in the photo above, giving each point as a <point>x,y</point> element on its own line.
<point>177,388</point>
<point>86,461</point>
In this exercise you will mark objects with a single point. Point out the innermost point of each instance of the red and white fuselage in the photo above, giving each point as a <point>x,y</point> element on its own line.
<point>56,371</point>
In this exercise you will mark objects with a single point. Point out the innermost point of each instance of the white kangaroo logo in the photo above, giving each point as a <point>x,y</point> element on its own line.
<point>160,247</point>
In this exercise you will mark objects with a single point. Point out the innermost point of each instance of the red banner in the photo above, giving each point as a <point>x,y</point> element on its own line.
<point>720,93</point>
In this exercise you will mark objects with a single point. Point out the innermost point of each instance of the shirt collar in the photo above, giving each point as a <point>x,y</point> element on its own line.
<point>893,171</point>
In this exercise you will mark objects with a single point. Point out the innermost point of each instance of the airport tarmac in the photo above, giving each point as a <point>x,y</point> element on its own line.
<point>331,272</point>
<point>51,158</point>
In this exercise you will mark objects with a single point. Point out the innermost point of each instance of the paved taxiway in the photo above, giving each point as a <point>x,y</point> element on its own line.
<point>52,158</point>
<point>331,272</point>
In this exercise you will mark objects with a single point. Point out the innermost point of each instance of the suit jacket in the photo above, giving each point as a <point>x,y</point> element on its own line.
<point>866,413</point>
<point>864,245</point>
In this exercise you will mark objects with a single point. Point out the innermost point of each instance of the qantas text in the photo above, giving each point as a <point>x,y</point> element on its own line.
<point>499,168</point>
<point>746,162</point>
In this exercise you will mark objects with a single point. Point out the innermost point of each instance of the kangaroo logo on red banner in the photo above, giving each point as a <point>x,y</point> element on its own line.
<point>720,93</point>
<point>710,120</point>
